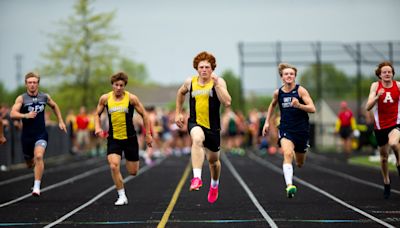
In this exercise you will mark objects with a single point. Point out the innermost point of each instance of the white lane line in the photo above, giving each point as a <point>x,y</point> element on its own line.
<point>315,188</point>
<point>352,178</point>
<point>67,181</point>
<point>15,179</point>
<point>94,199</point>
<point>248,191</point>
<point>50,170</point>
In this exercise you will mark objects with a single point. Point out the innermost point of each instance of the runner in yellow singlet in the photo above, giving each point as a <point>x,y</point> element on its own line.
<point>207,92</point>
<point>120,106</point>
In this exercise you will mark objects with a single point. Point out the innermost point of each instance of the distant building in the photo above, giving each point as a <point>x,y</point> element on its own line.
<point>155,95</point>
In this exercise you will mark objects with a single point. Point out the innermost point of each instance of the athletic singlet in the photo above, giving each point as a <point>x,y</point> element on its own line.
<point>386,111</point>
<point>292,119</point>
<point>120,114</point>
<point>37,104</point>
<point>204,105</point>
<point>345,118</point>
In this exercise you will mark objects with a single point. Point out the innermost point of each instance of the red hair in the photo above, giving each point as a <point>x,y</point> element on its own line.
<point>204,56</point>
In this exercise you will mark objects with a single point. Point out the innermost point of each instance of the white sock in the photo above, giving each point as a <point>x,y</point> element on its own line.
<point>121,192</point>
<point>197,173</point>
<point>214,183</point>
<point>36,184</point>
<point>288,173</point>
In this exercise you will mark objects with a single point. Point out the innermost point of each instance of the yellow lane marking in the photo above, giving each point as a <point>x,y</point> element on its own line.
<point>174,199</point>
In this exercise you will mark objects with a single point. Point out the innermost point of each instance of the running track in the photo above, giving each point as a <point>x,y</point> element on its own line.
<point>79,192</point>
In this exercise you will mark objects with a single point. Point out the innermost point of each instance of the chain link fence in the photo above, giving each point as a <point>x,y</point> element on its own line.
<point>259,60</point>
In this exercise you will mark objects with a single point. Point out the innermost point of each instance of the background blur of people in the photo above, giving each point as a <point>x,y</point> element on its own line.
<point>70,122</point>
<point>2,138</point>
<point>367,136</point>
<point>82,131</point>
<point>346,127</point>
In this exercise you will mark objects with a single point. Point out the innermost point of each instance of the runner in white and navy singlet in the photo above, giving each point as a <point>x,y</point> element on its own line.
<point>294,124</point>
<point>294,130</point>
<point>34,130</point>
<point>30,108</point>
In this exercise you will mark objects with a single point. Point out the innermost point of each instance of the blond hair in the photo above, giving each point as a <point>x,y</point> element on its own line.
<point>283,66</point>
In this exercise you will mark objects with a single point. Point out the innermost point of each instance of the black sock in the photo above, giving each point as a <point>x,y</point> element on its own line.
<point>386,191</point>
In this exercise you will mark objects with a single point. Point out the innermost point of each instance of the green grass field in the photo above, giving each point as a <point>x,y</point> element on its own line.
<point>364,161</point>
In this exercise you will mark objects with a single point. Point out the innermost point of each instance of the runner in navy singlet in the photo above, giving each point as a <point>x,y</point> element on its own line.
<point>30,107</point>
<point>294,103</point>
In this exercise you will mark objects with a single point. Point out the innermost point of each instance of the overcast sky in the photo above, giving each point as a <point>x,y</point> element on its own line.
<point>166,35</point>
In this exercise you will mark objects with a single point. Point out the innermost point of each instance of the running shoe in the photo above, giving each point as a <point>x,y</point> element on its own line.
<point>195,184</point>
<point>213,194</point>
<point>386,191</point>
<point>122,200</point>
<point>290,191</point>
<point>36,192</point>
<point>149,161</point>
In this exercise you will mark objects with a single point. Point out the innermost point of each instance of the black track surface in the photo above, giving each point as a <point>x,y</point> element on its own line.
<point>331,193</point>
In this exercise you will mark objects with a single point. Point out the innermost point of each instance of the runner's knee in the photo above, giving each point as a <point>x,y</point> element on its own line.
<point>197,141</point>
<point>213,162</point>
<point>39,157</point>
<point>394,145</point>
<point>114,167</point>
<point>299,164</point>
<point>132,172</point>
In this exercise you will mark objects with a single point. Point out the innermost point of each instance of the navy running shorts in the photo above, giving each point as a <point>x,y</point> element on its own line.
<point>29,143</point>
<point>299,139</point>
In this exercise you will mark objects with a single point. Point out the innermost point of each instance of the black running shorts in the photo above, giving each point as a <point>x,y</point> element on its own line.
<point>129,146</point>
<point>212,139</point>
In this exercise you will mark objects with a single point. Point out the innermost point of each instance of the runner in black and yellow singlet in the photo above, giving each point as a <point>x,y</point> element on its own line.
<point>120,106</point>
<point>207,92</point>
<point>120,114</point>
<point>204,105</point>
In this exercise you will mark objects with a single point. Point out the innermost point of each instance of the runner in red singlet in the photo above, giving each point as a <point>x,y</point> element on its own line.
<point>383,99</point>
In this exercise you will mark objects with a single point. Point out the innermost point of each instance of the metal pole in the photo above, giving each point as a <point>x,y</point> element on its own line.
<point>358,63</point>
<point>241,76</point>
<point>18,65</point>
<point>318,66</point>
<point>390,44</point>
<point>278,47</point>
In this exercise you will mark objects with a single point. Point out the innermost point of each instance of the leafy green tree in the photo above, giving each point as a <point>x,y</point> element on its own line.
<point>335,84</point>
<point>258,102</point>
<point>136,70</point>
<point>82,56</point>
<point>365,85</point>
<point>8,97</point>
<point>235,89</point>
<point>3,94</point>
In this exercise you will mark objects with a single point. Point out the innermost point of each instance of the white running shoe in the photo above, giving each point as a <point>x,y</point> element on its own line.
<point>36,192</point>
<point>122,200</point>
